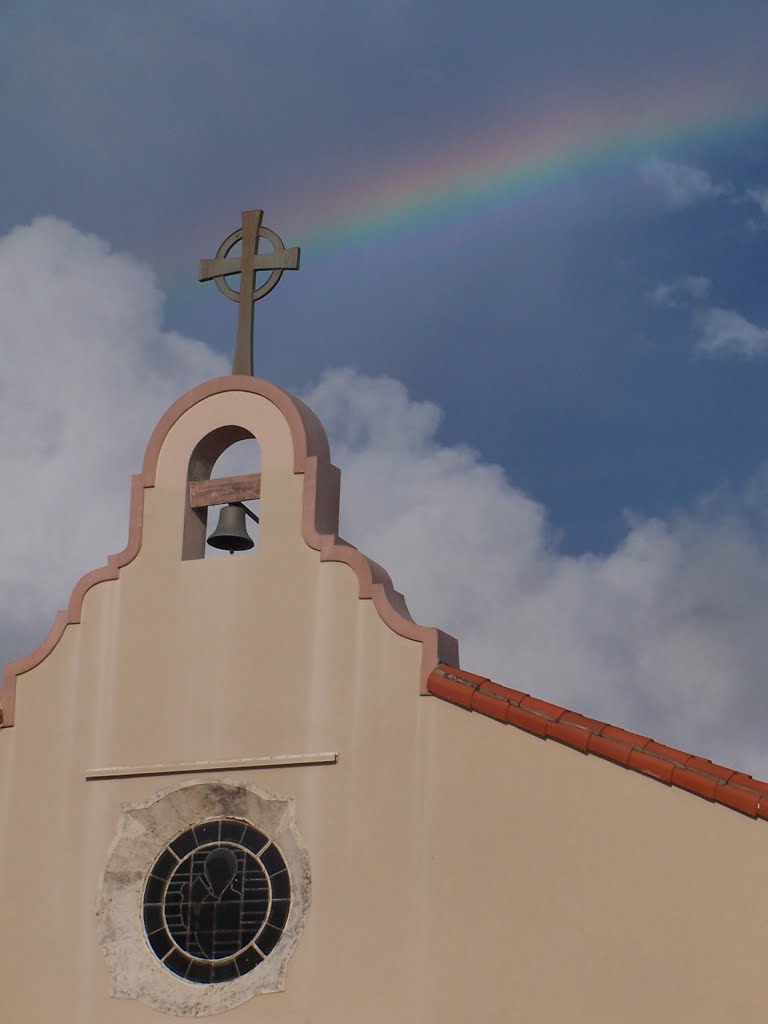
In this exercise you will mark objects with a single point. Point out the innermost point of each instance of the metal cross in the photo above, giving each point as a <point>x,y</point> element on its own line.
<point>247,265</point>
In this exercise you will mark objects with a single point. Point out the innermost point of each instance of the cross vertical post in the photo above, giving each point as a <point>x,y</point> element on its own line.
<point>243,358</point>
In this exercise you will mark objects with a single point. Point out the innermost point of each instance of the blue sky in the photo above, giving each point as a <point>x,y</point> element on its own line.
<point>597,349</point>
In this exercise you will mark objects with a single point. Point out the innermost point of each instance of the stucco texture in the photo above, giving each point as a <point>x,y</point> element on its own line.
<point>460,870</point>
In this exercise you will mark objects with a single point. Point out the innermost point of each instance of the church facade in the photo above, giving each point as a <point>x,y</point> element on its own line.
<point>254,787</point>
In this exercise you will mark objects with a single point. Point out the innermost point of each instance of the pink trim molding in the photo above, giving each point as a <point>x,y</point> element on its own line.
<point>320,521</point>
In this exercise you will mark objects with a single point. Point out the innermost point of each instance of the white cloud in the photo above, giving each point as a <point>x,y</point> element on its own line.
<point>666,634</point>
<point>724,332</point>
<point>681,292</point>
<point>86,371</point>
<point>758,196</point>
<point>681,185</point>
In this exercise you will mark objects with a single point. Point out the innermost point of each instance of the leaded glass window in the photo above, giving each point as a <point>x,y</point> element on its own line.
<point>216,901</point>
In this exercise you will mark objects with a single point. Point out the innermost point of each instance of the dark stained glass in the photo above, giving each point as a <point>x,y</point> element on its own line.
<point>281,885</point>
<point>208,832</point>
<point>268,939</point>
<point>153,890</point>
<point>272,860</point>
<point>233,831</point>
<point>279,913</point>
<point>177,962</point>
<point>255,841</point>
<point>248,959</point>
<point>225,970</point>
<point>182,844</point>
<point>200,971</point>
<point>165,863</point>
<point>161,943</point>
<point>153,917</point>
<point>216,901</point>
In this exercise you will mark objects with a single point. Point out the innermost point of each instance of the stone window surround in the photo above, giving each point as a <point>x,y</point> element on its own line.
<point>144,829</point>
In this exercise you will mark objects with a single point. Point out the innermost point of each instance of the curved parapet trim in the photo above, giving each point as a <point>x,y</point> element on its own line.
<point>320,521</point>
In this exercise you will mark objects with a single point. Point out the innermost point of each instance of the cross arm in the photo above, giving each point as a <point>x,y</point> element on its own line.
<point>209,269</point>
<point>277,259</point>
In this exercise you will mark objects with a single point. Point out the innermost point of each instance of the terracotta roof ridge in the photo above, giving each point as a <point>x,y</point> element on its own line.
<point>640,754</point>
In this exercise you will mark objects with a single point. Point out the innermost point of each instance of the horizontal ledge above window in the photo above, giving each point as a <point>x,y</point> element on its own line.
<point>198,767</point>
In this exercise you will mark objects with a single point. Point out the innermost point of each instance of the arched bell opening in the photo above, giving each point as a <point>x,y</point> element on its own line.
<point>223,474</point>
<point>234,526</point>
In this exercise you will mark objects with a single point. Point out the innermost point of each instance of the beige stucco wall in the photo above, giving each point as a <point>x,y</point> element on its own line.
<point>461,870</point>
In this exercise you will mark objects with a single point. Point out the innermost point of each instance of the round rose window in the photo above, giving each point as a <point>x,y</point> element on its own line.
<point>216,901</point>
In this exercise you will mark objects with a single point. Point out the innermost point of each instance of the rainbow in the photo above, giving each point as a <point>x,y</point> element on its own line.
<point>499,172</point>
<point>507,164</point>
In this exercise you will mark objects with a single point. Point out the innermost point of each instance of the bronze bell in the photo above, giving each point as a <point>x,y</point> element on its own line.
<point>230,533</point>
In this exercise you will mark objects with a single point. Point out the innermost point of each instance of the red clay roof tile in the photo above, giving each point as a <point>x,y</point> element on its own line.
<point>632,738</point>
<point>588,723</point>
<point>611,750</point>
<point>490,704</point>
<point>572,735</point>
<point>739,799</point>
<point>694,782</point>
<point>679,757</point>
<point>516,696</point>
<point>638,753</point>
<point>468,677</point>
<point>542,707</point>
<point>740,779</point>
<point>700,764</point>
<point>647,764</point>
<point>526,720</point>
<point>453,689</point>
